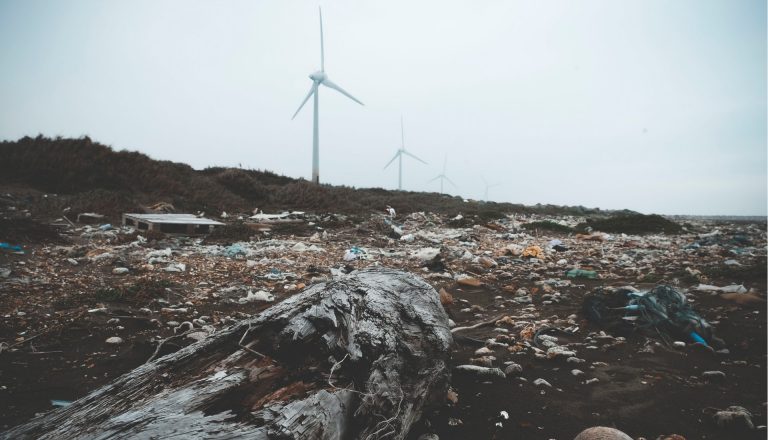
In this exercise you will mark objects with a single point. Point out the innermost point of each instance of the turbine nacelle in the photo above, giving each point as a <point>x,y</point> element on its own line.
<point>318,76</point>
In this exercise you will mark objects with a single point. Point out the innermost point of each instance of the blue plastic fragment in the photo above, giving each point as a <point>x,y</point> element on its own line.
<point>8,246</point>
<point>697,338</point>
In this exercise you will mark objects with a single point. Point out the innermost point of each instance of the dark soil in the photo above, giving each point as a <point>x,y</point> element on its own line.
<point>643,394</point>
<point>26,231</point>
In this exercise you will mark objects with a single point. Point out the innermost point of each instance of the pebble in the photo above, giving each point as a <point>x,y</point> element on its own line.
<point>120,270</point>
<point>480,371</point>
<point>591,381</point>
<point>678,344</point>
<point>713,375</point>
<point>602,433</point>
<point>513,369</point>
<point>541,382</point>
<point>114,340</point>
<point>734,416</point>
<point>576,372</point>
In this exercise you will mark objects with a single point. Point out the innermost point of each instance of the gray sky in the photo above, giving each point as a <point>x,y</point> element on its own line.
<point>656,106</point>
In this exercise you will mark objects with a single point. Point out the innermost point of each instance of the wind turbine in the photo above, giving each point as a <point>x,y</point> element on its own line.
<point>319,78</point>
<point>488,186</point>
<point>399,155</point>
<point>443,177</point>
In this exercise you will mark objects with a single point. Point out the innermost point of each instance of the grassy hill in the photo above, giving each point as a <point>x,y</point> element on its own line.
<point>88,176</point>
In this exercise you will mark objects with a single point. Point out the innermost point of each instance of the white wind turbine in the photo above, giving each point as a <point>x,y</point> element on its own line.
<point>319,78</point>
<point>443,177</point>
<point>399,155</point>
<point>487,186</point>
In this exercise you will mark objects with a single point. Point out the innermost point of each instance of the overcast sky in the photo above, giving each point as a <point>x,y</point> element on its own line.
<point>655,106</point>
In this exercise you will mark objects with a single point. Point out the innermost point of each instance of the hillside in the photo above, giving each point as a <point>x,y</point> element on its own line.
<point>87,176</point>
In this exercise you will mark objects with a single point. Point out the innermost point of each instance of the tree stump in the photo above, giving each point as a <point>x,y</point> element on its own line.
<point>356,357</point>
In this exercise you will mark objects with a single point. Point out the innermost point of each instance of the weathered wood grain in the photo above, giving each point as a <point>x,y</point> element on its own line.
<point>383,334</point>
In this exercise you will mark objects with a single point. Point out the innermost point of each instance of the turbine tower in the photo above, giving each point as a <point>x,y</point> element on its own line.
<point>319,78</point>
<point>443,177</point>
<point>488,186</point>
<point>399,156</point>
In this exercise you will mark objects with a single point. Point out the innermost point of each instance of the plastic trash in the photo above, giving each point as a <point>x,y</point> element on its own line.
<point>533,252</point>
<point>11,248</point>
<point>354,253</point>
<point>260,296</point>
<point>105,227</point>
<point>697,338</point>
<point>581,273</point>
<point>235,250</point>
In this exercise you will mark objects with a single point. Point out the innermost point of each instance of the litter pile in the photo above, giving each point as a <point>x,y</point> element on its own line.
<point>556,329</point>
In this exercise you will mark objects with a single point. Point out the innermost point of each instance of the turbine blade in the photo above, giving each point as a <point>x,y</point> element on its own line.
<point>393,159</point>
<point>432,180</point>
<point>414,157</point>
<point>451,182</point>
<point>334,86</point>
<point>322,46</point>
<point>311,91</point>
<point>402,132</point>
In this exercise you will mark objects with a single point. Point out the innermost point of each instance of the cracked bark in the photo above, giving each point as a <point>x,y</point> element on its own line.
<point>383,333</point>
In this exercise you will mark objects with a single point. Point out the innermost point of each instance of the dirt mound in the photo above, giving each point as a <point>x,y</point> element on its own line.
<point>633,224</point>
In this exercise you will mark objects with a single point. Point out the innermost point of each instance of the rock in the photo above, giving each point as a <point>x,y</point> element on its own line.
<point>114,340</point>
<point>591,381</point>
<point>542,383</point>
<point>576,372</point>
<point>469,281</point>
<point>483,351</point>
<point>558,351</point>
<point>734,417</point>
<point>452,396</point>
<point>120,270</point>
<point>72,261</point>
<point>445,297</point>
<point>513,369</point>
<point>426,254</point>
<point>602,433</point>
<point>713,375</point>
<point>480,371</point>
<point>484,361</point>
<point>487,262</point>
<point>678,344</point>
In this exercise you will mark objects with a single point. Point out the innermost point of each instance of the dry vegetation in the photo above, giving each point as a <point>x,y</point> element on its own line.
<point>88,176</point>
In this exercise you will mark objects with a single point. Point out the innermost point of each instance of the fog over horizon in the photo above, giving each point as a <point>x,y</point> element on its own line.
<point>653,106</point>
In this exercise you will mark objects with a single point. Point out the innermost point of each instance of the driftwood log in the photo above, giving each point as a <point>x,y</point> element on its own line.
<point>357,357</point>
